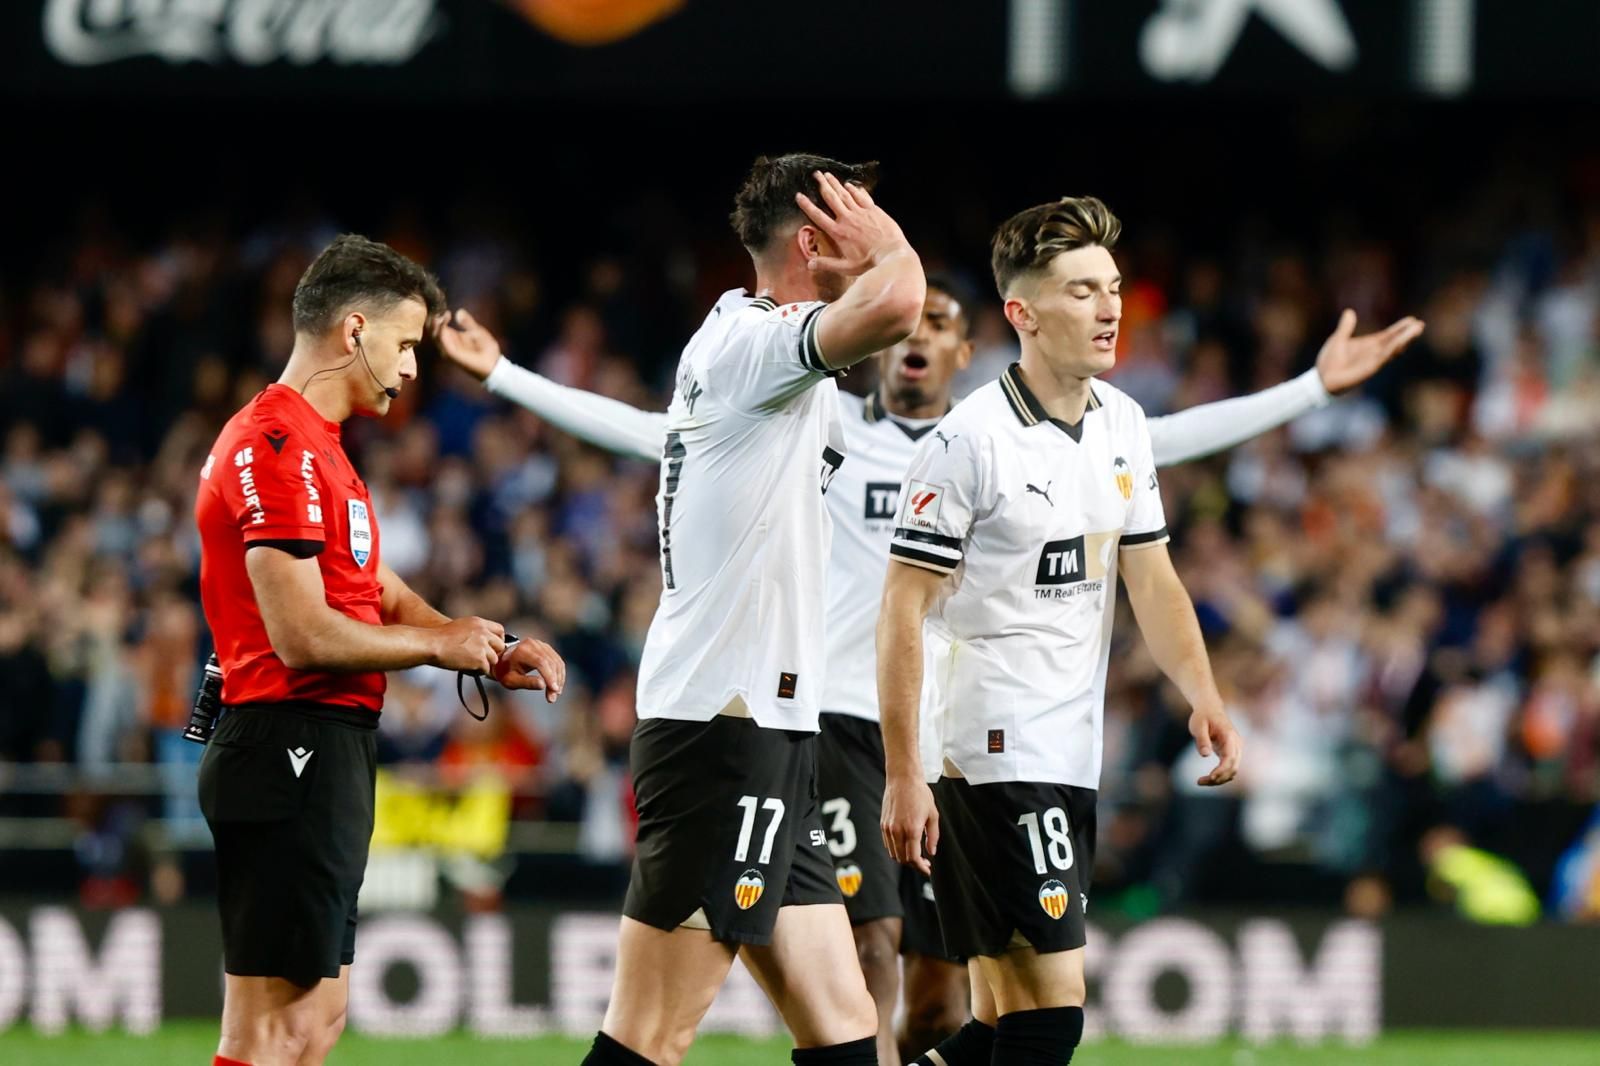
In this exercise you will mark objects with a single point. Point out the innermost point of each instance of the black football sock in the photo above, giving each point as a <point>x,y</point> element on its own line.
<point>970,1045</point>
<point>863,1052</point>
<point>1038,1037</point>
<point>607,1052</point>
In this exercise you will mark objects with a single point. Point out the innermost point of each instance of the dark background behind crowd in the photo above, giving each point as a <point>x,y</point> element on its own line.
<point>1401,592</point>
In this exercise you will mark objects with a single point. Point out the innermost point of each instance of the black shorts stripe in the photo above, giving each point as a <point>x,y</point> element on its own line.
<point>1131,539</point>
<point>937,539</point>
<point>922,558</point>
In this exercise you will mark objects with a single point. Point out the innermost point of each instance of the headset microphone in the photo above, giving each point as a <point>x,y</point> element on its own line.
<point>390,391</point>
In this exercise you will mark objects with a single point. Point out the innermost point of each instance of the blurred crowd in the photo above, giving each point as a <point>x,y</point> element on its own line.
<point>1401,592</point>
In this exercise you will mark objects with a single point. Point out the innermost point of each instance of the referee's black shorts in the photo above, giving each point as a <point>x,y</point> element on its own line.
<point>287,790</point>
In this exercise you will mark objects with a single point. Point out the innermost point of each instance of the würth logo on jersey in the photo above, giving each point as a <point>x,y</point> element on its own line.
<point>1061,562</point>
<point>883,500</point>
<point>1124,475</point>
<point>748,889</point>
<point>1054,899</point>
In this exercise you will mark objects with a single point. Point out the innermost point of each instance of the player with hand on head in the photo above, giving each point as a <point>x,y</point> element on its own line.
<point>731,854</point>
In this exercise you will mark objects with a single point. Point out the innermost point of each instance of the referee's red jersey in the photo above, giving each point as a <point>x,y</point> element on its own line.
<point>278,475</point>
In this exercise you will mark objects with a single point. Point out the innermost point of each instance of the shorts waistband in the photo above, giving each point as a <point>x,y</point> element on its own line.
<point>349,717</point>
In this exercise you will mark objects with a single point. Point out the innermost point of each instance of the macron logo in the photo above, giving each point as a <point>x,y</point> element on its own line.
<point>298,757</point>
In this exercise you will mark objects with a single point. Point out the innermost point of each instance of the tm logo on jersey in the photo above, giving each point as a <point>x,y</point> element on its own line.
<point>1061,563</point>
<point>1064,570</point>
<point>883,500</point>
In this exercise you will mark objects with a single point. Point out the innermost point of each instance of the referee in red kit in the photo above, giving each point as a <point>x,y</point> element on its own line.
<point>306,618</point>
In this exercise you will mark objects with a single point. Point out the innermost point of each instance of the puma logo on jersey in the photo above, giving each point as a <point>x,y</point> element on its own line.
<point>1045,492</point>
<point>298,757</point>
<point>945,440</point>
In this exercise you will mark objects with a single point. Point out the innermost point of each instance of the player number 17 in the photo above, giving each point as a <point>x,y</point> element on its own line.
<point>747,830</point>
<point>1055,827</point>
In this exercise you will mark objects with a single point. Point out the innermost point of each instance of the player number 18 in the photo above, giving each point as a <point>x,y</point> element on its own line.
<point>1055,827</point>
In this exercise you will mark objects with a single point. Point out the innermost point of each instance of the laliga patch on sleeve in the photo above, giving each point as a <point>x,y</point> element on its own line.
<point>922,505</point>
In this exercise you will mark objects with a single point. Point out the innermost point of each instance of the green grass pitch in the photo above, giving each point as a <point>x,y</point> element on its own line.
<point>192,1043</point>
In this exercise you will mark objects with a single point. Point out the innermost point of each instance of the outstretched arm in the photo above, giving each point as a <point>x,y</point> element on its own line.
<point>1216,427</point>
<point>1344,362</point>
<point>598,420</point>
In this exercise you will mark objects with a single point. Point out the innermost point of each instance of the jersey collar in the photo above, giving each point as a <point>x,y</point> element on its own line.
<point>872,411</point>
<point>303,407</point>
<point>1030,412</point>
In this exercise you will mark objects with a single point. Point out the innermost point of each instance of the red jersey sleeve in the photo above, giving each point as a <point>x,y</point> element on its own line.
<point>273,489</point>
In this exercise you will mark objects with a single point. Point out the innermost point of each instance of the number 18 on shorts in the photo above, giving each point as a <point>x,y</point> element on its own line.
<point>1013,865</point>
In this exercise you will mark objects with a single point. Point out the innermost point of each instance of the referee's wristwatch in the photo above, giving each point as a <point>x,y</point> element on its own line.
<point>512,640</point>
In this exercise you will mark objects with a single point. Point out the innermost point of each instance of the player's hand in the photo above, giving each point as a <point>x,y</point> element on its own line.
<point>861,231</point>
<point>532,664</point>
<point>1214,735</point>
<point>470,644</point>
<point>909,814</point>
<point>466,343</point>
<point>1346,361</point>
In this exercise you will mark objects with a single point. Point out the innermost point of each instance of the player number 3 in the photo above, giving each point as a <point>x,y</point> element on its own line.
<point>839,810</point>
<point>1055,827</point>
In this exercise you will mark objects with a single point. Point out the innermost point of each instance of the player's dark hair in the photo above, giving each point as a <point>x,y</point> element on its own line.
<point>960,292</point>
<point>765,202</point>
<point>356,272</point>
<point>1026,242</point>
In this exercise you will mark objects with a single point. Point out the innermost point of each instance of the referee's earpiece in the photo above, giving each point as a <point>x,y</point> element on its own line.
<point>390,391</point>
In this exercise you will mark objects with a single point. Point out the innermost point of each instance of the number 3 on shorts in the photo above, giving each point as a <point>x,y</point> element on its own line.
<point>839,810</point>
<point>747,830</point>
<point>1055,827</point>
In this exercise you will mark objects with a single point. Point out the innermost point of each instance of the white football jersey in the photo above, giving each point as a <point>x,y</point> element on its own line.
<point>1027,515</point>
<point>863,500</point>
<point>753,440</point>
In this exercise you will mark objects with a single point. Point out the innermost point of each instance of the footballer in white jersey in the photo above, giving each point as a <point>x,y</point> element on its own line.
<point>730,856</point>
<point>1010,538</point>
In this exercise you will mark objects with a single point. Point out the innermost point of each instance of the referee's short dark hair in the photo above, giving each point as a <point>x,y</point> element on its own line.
<point>1026,242</point>
<point>766,200</point>
<point>354,272</point>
